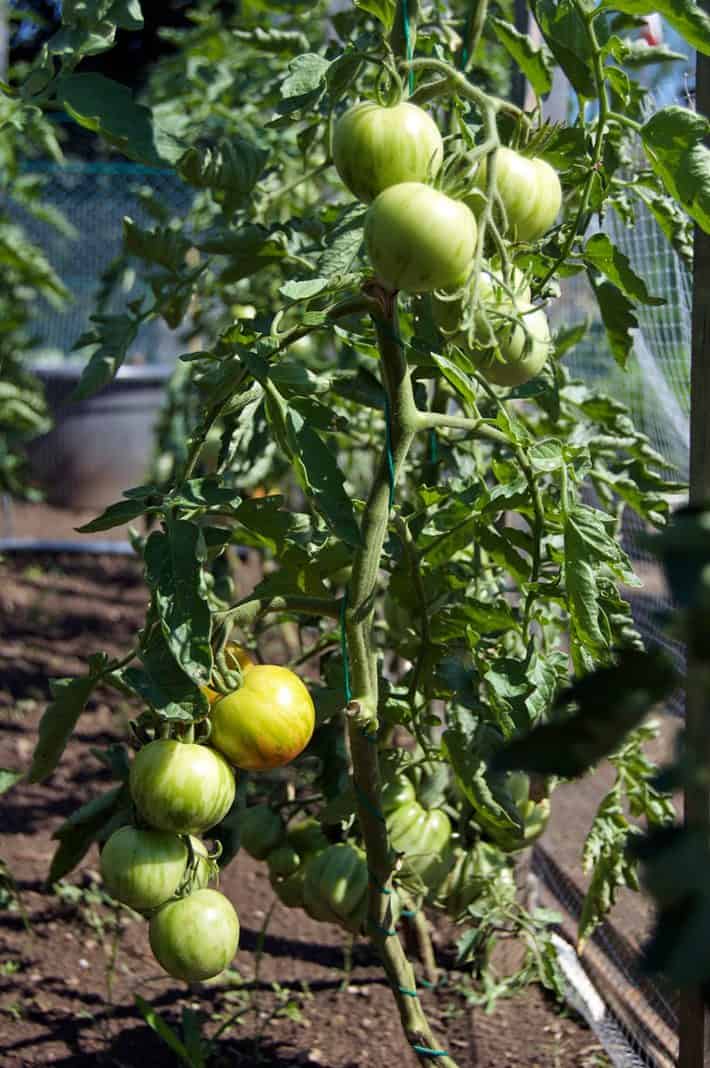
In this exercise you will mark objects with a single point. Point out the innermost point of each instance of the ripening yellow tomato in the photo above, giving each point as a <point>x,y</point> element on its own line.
<point>267,722</point>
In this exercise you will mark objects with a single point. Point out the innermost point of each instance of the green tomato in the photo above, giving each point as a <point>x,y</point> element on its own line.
<point>419,239</point>
<point>261,830</point>
<point>376,147</point>
<point>142,868</point>
<point>335,886</point>
<point>397,792</point>
<point>267,722</point>
<point>530,191</point>
<point>195,937</point>
<point>423,837</point>
<point>283,861</point>
<point>475,871</point>
<point>289,890</point>
<point>306,836</point>
<point>522,351</point>
<point>181,787</point>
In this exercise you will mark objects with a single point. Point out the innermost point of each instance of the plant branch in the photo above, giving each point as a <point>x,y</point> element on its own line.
<point>248,610</point>
<point>478,428</point>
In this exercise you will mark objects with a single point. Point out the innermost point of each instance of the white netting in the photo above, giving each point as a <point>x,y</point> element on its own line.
<point>639,1026</point>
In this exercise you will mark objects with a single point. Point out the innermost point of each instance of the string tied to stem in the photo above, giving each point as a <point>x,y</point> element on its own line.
<point>388,450</point>
<point>408,42</point>
<point>344,648</point>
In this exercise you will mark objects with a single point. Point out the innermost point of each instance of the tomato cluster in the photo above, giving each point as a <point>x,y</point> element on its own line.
<point>181,789</point>
<point>421,240</point>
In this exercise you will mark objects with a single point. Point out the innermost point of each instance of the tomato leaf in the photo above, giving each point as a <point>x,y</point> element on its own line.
<point>469,746</point>
<point>113,335</point>
<point>568,39</point>
<point>85,826</point>
<point>315,467</point>
<point>8,778</point>
<point>162,1028</point>
<point>601,254</point>
<point>383,10</point>
<point>609,703</point>
<point>69,698</point>
<point>116,515</point>
<point>618,316</point>
<point>685,16</point>
<point>230,170</point>
<point>534,61</point>
<point>107,107</point>
<point>174,559</point>
<point>674,139</point>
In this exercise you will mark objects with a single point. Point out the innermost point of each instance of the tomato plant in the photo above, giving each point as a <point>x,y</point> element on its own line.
<point>446,553</point>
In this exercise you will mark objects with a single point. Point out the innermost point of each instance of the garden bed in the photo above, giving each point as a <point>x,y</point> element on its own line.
<point>69,976</point>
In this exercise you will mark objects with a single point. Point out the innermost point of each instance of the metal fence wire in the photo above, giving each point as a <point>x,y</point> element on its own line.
<point>637,1021</point>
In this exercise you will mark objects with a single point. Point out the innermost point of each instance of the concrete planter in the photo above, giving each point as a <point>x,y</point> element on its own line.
<point>101,446</point>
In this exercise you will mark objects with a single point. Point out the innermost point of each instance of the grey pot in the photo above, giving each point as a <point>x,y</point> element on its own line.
<point>101,446</point>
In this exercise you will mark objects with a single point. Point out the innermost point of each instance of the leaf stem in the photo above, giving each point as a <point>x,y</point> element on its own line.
<point>245,612</point>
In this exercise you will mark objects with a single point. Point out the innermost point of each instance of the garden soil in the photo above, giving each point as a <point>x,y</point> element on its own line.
<point>71,967</point>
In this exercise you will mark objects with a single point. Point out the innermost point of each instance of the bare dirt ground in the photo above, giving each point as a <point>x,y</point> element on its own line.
<point>71,966</point>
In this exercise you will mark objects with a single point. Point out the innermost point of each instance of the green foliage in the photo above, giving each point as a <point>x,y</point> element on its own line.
<point>481,525</point>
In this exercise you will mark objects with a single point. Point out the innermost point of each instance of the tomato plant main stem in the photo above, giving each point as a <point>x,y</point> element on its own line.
<point>404,420</point>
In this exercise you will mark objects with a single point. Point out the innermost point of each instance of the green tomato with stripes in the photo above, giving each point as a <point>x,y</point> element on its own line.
<point>335,888</point>
<point>423,836</point>
<point>376,147</point>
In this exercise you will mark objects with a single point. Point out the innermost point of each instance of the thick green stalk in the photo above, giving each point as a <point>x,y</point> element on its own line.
<point>362,711</point>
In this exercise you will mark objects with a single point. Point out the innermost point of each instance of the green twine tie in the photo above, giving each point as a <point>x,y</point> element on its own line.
<point>344,648</point>
<point>377,884</point>
<point>426,1052</point>
<point>388,449</point>
<point>368,804</point>
<point>408,42</point>
<point>388,932</point>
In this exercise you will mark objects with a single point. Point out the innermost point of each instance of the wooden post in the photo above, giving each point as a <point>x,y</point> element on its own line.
<point>693,1029</point>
